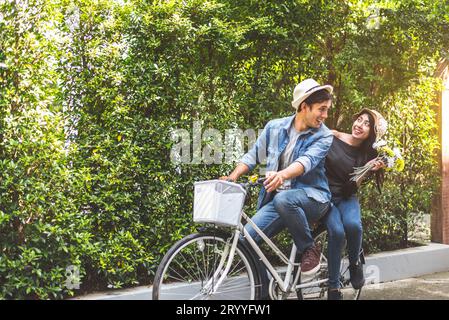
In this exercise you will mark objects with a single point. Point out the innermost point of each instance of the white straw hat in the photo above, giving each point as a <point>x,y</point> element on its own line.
<point>304,89</point>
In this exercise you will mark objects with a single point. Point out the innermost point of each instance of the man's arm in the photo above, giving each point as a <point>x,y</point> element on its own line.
<point>253,157</point>
<point>277,179</point>
<point>303,164</point>
<point>239,171</point>
<point>315,153</point>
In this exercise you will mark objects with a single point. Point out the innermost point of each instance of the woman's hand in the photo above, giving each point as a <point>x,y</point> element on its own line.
<point>336,133</point>
<point>377,164</point>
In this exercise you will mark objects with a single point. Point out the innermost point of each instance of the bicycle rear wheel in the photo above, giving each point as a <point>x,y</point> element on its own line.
<point>319,291</point>
<point>191,268</point>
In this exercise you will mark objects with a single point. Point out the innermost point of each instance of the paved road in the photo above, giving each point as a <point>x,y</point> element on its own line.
<point>429,287</point>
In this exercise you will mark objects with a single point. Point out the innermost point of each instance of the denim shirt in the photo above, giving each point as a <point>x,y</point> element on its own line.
<point>310,150</point>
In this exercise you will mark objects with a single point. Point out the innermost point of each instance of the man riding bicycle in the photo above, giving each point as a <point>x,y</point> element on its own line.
<point>296,191</point>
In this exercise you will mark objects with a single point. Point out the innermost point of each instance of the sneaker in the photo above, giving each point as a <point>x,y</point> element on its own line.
<point>334,294</point>
<point>356,275</point>
<point>310,261</point>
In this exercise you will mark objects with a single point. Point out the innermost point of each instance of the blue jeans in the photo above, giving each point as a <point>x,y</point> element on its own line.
<point>343,221</point>
<point>292,209</point>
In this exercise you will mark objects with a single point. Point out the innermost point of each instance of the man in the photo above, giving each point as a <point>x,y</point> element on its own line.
<point>296,190</point>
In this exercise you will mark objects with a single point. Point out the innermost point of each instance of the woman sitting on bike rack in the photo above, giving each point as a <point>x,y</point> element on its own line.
<point>348,151</point>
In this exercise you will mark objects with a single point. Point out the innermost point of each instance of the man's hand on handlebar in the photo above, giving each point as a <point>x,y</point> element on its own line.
<point>253,180</point>
<point>226,178</point>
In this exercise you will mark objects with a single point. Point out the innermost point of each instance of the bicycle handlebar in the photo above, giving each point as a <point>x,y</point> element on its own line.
<point>255,183</point>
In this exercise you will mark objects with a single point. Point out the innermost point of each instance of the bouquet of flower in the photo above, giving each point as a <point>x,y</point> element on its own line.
<point>391,157</point>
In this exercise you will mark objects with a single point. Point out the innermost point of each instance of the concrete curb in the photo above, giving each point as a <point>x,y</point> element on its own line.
<point>407,263</point>
<point>379,268</point>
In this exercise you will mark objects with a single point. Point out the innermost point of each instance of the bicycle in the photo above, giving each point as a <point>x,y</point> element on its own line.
<point>216,263</point>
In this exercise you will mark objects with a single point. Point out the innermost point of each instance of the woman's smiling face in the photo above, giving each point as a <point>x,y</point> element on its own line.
<point>361,127</point>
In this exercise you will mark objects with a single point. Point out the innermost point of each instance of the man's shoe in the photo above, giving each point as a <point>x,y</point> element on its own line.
<point>356,275</point>
<point>334,294</point>
<point>310,260</point>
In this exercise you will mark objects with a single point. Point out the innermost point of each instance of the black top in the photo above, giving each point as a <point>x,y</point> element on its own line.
<point>340,162</point>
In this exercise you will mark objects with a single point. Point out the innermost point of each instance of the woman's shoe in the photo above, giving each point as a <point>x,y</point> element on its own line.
<point>334,294</point>
<point>356,275</point>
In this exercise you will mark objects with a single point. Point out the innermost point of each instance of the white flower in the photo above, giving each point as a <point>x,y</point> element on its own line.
<point>397,153</point>
<point>390,162</point>
<point>379,144</point>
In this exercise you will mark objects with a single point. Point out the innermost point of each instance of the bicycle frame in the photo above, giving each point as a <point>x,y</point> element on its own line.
<point>284,284</point>
<point>231,266</point>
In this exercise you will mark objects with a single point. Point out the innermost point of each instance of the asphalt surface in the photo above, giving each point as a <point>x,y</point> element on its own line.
<point>428,287</point>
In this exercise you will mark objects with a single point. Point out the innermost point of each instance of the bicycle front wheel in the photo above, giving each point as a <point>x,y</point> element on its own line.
<point>192,267</point>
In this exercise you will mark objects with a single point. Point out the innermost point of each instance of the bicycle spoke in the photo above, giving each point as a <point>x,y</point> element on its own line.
<point>179,279</point>
<point>187,266</point>
<point>187,263</point>
<point>232,280</point>
<point>175,271</point>
<point>188,273</point>
<point>235,288</point>
<point>200,271</point>
<point>232,271</point>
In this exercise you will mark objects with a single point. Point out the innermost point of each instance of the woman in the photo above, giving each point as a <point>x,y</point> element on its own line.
<point>346,152</point>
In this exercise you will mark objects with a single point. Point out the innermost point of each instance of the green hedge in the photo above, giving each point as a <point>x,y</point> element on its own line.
<point>90,92</point>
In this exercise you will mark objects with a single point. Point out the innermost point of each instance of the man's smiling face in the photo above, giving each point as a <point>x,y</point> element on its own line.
<point>316,114</point>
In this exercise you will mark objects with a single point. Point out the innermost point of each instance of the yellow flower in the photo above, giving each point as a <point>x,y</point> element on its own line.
<point>387,151</point>
<point>253,178</point>
<point>399,165</point>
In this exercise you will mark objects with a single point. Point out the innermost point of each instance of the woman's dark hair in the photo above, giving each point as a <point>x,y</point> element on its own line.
<point>367,152</point>
<point>317,97</point>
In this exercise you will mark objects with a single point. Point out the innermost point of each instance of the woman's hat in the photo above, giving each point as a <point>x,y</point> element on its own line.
<point>380,124</point>
<point>304,89</point>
